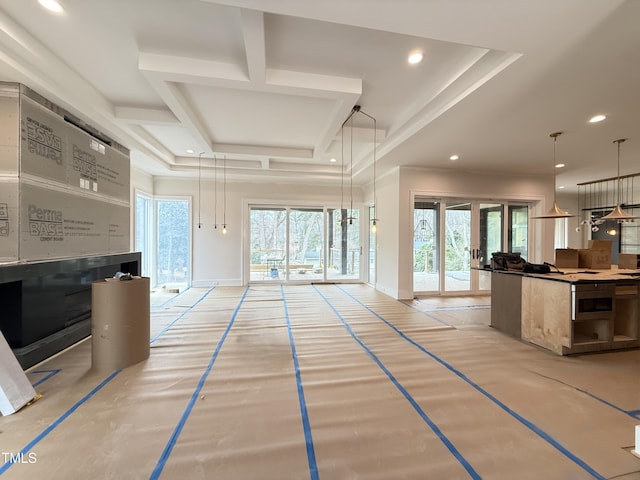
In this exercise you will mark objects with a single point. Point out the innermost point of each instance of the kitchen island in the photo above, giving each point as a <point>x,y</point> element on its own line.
<point>575,312</point>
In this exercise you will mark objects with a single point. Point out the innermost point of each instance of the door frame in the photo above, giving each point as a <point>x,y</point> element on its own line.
<point>288,206</point>
<point>476,268</point>
<point>189,260</point>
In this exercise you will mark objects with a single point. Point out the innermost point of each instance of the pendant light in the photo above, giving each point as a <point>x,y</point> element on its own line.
<point>355,110</point>
<point>555,211</point>
<point>199,187</point>
<point>374,220</point>
<point>224,195</point>
<point>350,213</point>
<point>215,192</point>
<point>617,213</point>
<point>580,214</point>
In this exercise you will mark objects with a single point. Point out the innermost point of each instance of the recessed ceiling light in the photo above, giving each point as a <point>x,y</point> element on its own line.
<point>415,57</point>
<point>51,5</point>
<point>561,187</point>
<point>333,160</point>
<point>454,157</point>
<point>597,118</point>
<point>559,165</point>
<point>190,150</point>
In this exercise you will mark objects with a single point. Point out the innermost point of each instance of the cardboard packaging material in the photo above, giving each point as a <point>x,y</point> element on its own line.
<point>594,259</point>
<point>629,260</point>
<point>566,258</point>
<point>15,388</point>
<point>120,323</point>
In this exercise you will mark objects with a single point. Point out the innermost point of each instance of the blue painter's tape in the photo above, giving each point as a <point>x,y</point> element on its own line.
<point>164,330</point>
<point>44,379</point>
<point>631,413</point>
<point>527,423</point>
<point>311,454</point>
<point>60,419</point>
<point>443,438</point>
<point>162,461</point>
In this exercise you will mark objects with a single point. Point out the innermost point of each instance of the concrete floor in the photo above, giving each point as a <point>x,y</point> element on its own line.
<point>328,382</point>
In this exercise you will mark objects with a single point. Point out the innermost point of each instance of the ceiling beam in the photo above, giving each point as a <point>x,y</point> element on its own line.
<point>262,151</point>
<point>180,107</point>
<point>254,44</point>
<point>147,116</point>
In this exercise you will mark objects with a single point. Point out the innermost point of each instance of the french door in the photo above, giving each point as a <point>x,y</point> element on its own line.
<point>305,244</point>
<point>454,239</point>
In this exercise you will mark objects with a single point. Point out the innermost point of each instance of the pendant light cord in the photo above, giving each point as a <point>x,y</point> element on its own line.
<point>619,141</point>
<point>215,192</point>
<point>555,136</point>
<point>355,110</point>
<point>342,169</point>
<point>350,214</point>
<point>199,188</point>
<point>375,145</point>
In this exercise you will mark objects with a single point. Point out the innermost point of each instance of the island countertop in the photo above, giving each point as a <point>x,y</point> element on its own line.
<point>581,275</point>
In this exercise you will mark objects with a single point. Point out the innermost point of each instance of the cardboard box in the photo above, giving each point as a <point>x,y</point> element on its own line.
<point>566,258</point>
<point>629,260</point>
<point>594,259</point>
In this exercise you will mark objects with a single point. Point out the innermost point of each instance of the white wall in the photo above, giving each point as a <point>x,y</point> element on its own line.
<point>387,236</point>
<point>569,203</point>
<point>140,182</point>
<point>219,259</point>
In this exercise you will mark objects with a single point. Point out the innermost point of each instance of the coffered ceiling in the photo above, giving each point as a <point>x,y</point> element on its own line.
<point>267,84</point>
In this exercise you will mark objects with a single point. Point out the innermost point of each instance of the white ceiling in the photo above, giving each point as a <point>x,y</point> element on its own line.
<point>267,84</point>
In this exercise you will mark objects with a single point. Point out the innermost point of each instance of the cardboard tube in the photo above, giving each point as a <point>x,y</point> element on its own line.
<point>120,322</point>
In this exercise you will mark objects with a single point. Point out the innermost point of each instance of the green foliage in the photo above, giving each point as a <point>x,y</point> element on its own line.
<point>173,240</point>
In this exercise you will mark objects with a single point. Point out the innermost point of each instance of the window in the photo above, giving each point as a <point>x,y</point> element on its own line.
<point>304,244</point>
<point>144,232</point>
<point>174,242</point>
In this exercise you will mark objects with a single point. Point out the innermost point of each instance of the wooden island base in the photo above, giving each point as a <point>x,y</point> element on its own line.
<point>572,313</point>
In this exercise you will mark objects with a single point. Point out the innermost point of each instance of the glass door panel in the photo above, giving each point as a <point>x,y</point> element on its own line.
<point>344,249</point>
<point>306,245</point>
<point>491,234</point>
<point>173,254</point>
<point>426,264</point>
<point>268,232</point>
<point>457,247</point>
<point>518,231</point>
